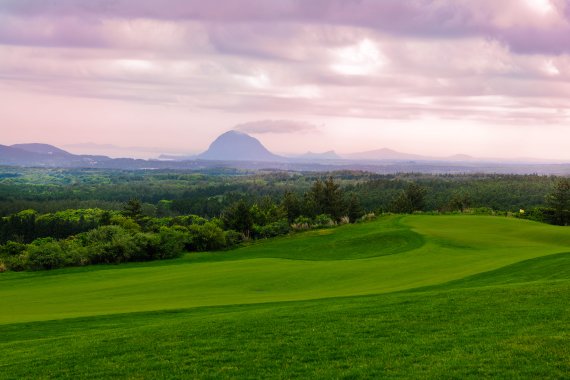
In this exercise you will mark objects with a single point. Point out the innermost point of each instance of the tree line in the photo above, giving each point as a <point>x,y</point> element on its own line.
<point>33,241</point>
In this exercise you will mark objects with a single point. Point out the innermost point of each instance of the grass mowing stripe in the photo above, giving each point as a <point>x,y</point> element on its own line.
<point>492,332</point>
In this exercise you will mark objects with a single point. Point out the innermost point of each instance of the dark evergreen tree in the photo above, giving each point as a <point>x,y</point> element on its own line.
<point>292,206</point>
<point>460,202</point>
<point>333,204</point>
<point>325,197</point>
<point>133,209</point>
<point>410,200</point>
<point>559,202</point>
<point>238,218</point>
<point>355,210</point>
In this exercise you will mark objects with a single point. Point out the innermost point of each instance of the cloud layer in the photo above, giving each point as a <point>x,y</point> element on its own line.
<point>502,63</point>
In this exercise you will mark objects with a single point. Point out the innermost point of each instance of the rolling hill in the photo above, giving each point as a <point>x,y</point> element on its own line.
<point>414,296</point>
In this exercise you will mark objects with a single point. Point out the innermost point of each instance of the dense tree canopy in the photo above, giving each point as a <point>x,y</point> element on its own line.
<point>51,218</point>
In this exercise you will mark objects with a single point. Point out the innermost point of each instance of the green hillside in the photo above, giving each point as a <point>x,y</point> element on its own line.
<point>417,296</point>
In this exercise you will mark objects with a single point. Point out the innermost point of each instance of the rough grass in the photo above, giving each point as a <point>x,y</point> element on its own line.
<point>476,297</point>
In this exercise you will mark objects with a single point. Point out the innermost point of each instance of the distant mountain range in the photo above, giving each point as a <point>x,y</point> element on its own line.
<point>330,155</point>
<point>383,154</point>
<point>238,150</point>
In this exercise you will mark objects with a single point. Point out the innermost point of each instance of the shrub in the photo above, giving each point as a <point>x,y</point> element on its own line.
<point>207,237</point>
<point>45,254</point>
<point>171,243</point>
<point>125,223</point>
<point>324,220</point>
<point>12,248</point>
<point>301,223</point>
<point>17,263</point>
<point>234,238</point>
<point>367,217</point>
<point>280,227</point>
<point>483,211</point>
<point>145,247</point>
<point>76,253</point>
<point>109,244</point>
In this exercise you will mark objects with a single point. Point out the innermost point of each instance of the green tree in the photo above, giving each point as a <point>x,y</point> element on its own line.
<point>355,210</point>
<point>459,201</point>
<point>207,237</point>
<point>559,201</point>
<point>292,206</point>
<point>45,253</point>
<point>402,204</point>
<point>133,209</point>
<point>410,200</point>
<point>325,197</point>
<point>333,199</point>
<point>238,218</point>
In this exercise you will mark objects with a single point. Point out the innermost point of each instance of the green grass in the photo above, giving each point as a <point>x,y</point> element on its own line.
<point>418,296</point>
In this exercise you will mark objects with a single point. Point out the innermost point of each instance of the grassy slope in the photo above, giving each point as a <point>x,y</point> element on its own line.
<point>441,249</point>
<point>505,328</point>
<point>483,310</point>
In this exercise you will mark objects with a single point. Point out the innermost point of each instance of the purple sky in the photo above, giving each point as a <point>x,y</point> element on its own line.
<point>434,77</point>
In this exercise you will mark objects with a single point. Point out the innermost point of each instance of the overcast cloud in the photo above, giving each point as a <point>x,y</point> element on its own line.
<point>95,71</point>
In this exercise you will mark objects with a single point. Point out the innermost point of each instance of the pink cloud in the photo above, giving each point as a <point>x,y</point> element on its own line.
<point>501,63</point>
<point>510,21</point>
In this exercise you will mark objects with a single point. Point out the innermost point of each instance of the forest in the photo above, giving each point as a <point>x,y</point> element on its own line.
<point>53,218</point>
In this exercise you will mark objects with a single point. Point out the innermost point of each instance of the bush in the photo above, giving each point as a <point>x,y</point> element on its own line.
<point>45,254</point>
<point>301,223</point>
<point>125,223</point>
<point>145,247</point>
<point>17,263</point>
<point>234,238</point>
<point>482,211</point>
<point>77,254</point>
<point>367,217</point>
<point>171,243</point>
<point>324,220</point>
<point>207,237</point>
<point>109,245</point>
<point>12,248</point>
<point>280,227</point>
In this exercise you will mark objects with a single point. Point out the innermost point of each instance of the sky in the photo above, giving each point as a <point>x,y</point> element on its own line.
<point>138,78</point>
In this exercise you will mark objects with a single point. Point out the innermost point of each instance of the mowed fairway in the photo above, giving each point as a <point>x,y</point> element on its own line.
<point>403,296</point>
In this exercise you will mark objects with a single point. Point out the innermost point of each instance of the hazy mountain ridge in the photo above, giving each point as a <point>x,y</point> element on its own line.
<point>36,154</point>
<point>240,151</point>
<point>329,155</point>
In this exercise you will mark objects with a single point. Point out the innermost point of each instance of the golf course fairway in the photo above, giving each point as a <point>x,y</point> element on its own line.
<point>402,296</point>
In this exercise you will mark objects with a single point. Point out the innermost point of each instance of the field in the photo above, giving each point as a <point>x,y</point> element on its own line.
<point>415,296</point>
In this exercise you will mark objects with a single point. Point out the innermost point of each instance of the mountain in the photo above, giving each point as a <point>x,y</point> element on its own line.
<point>330,155</point>
<point>14,156</point>
<point>238,146</point>
<point>45,155</point>
<point>42,149</point>
<point>384,154</point>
